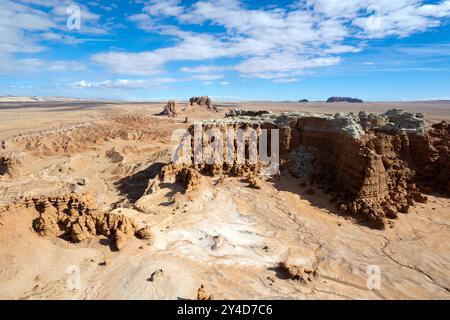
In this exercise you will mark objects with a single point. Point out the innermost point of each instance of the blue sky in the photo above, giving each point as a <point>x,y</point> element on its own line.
<point>228,49</point>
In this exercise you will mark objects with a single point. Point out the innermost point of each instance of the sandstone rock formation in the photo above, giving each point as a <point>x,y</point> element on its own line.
<point>78,217</point>
<point>344,99</point>
<point>170,109</point>
<point>189,178</point>
<point>156,275</point>
<point>304,275</point>
<point>248,113</point>
<point>114,155</point>
<point>373,166</point>
<point>152,187</point>
<point>202,101</point>
<point>203,295</point>
<point>144,233</point>
<point>432,154</point>
<point>8,167</point>
<point>254,182</point>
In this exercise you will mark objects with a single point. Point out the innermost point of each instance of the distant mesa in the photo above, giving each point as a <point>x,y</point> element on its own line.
<point>344,99</point>
<point>303,100</point>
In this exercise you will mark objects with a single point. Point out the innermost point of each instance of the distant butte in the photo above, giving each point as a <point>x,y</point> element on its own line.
<point>344,99</point>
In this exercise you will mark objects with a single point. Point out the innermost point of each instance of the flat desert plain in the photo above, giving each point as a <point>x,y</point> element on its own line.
<point>225,236</point>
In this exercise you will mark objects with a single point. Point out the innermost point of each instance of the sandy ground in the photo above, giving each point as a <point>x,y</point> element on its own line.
<point>226,236</point>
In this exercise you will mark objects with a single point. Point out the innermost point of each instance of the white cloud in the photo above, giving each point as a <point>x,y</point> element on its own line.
<point>281,43</point>
<point>163,8</point>
<point>434,50</point>
<point>278,43</point>
<point>207,77</point>
<point>204,69</point>
<point>435,10</point>
<point>398,18</point>
<point>16,20</point>
<point>282,65</point>
<point>143,21</point>
<point>10,65</point>
<point>25,26</point>
<point>122,84</point>
<point>339,49</point>
<point>286,80</point>
<point>144,63</point>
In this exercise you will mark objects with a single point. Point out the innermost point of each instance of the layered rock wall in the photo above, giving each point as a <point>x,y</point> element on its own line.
<point>374,165</point>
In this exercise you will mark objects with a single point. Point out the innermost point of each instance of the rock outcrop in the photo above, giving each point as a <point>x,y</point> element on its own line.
<point>189,178</point>
<point>144,233</point>
<point>202,101</point>
<point>431,152</point>
<point>114,155</point>
<point>254,182</point>
<point>156,275</point>
<point>344,99</point>
<point>8,167</point>
<point>247,113</point>
<point>78,217</point>
<point>373,166</point>
<point>203,295</point>
<point>303,275</point>
<point>170,109</point>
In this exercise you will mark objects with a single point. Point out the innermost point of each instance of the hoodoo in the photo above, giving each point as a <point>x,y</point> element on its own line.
<point>170,109</point>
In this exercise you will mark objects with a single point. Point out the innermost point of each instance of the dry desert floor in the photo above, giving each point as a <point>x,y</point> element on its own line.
<point>227,237</point>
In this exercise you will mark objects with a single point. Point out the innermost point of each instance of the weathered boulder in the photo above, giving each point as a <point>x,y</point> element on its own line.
<point>144,233</point>
<point>203,295</point>
<point>294,272</point>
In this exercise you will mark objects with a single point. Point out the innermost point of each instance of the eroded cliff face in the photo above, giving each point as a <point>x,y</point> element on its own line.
<point>374,166</point>
<point>432,156</point>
